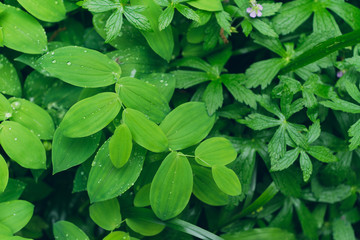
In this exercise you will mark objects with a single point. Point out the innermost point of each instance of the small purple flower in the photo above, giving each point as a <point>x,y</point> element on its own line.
<point>255,9</point>
<point>339,74</point>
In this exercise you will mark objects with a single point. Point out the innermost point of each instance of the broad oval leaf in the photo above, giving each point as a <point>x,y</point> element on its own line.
<point>68,231</point>
<point>143,97</point>
<point>145,132</point>
<point>105,181</point>
<point>215,151</point>
<point>13,190</point>
<point>45,10</point>
<point>5,108</point>
<point>207,5</point>
<point>187,125</point>
<point>15,214</point>
<point>226,180</point>
<point>21,31</point>
<point>206,189</point>
<point>120,146</point>
<point>33,118</point>
<point>22,146</point>
<point>90,115</point>
<point>106,214</point>
<point>117,235</point>
<point>142,197</point>
<point>80,67</point>
<point>143,221</point>
<point>68,152</point>
<point>9,79</point>
<point>4,174</point>
<point>171,187</point>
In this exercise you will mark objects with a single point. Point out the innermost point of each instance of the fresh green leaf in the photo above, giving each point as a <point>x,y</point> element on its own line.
<point>142,197</point>
<point>45,10</point>
<point>270,43</point>
<point>144,221</point>
<point>325,22</point>
<point>224,20</point>
<point>342,230</point>
<point>277,145</point>
<point>68,230</point>
<point>234,83</point>
<point>187,12</point>
<point>307,220</point>
<point>113,25</point>
<point>186,79</point>
<point>226,179</point>
<point>246,27</point>
<point>322,154</point>
<point>6,110</point>
<point>9,79</point>
<point>166,17</point>
<point>213,97</point>
<point>355,136</point>
<point>263,28</point>
<point>286,161</point>
<point>106,214</point>
<point>260,234</point>
<point>15,214</point>
<point>258,121</point>
<point>207,5</point>
<point>98,6</point>
<point>120,146</point>
<point>349,13</point>
<point>117,235</point>
<point>305,165</point>
<point>4,174</point>
<point>137,19</point>
<point>341,105</point>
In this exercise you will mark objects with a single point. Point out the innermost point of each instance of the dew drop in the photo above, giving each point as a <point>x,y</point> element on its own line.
<point>53,61</point>
<point>68,63</point>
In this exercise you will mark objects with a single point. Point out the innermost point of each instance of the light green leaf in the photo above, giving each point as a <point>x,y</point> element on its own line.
<point>224,20</point>
<point>260,234</point>
<point>305,165</point>
<point>342,229</point>
<point>143,97</point>
<point>118,235</point>
<point>22,146</point>
<point>80,66</point>
<point>69,152</point>
<point>354,133</point>
<point>113,25</point>
<point>144,131</point>
<point>4,174</point>
<point>106,181</point>
<point>138,222</point>
<point>67,230</point>
<point>206,189</point>
<point>5,108</point>
<point>171,187</point>
<point>207,5</point>
<point>106,214</point>
<point>258,121</point>
<point>227,180</point>
<point>322,154</point>
<point>33,118</point>
<point>165,83</point>
<point>120,146</point>
<point>98,6</point>
<point>15,214</point>
<point>137,19</point>
<point>9,79</point>
<point>21,31</point>
<point>187,125</point>
<point>187,12</point>
<point>166,17</point>
<point>90,115</point>
<point>348,12</point>
<point>215,151</point>
<point>286,161</point>
<point>186,79</point>
<point>269,9</point>
<point>246,27</point>
<point>325,22</point>
<point>341,105</point>
<point>45,10</point>
<point>213,96</point>
<point>142,197</point>
<point>352,90</point>
<point>263,28</point>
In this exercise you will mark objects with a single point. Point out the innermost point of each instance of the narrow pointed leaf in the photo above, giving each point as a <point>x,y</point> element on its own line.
<point>68,230</point>
<point>213,97</point>
<point>5,108</point>
<point>166,17</point>
<point>227,180</point>
<point>305,165</point>
<point>120,146</point>
<point>15,214</point>
<point>286,161</point>
<point>9,79</point>
<point>106,214</point>
<point>4,174</point>
<point>322,154</point>
<point>45,10</point>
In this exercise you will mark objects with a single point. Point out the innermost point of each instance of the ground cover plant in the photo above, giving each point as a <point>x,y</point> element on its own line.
<point>179,119</point>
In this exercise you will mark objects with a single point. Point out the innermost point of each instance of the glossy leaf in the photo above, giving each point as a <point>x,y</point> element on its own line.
<point>142,197</point>
<point>106,214</point>
<point>227,180</point>
<point>171,187</point>
<point>67,231</point>
<point>207,5</point>
<point>90,115</point>
<point>13,190</point>
<point>260,234</point>
<point>22,146</point>
<point>106,181</point>
<point>4,174</point>
<point>80,66</point>
<point>45,10</point>
<point>187,125</point>
<point>140,221</point>
<point>15,214</point>
<point>117,235</point>
<point>5,108</point>
<point>120,146</point>
<point>145,132</point>
<point>9,79</point>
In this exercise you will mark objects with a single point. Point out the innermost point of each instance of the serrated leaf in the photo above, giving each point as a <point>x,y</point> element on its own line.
<point>341,105</point>
<point>354,133</point>
<point>15,214</point>
<point>322,154</point>
<point>258,121</point>
<point>106,181</point>
<point>224,20</point>
<point>142,197</point>
<point>234,83</point>
<point>21,31</point>
<point>314,132</point>
<point>143,97</point>
<point>166,17</point>
<point>269,9</point>
<point>187,12</point>
<point>33,118</point>
<point>186,79</point>
<point>98,6</point>
<point>120,146</point>
<point>227,180</point>
<point>263,28</point>
<point>90,115</point>
<point>348,12</point>
<point>68,230</point>
<point>215,151</point>
<point>325,22</point>
<point>113,25</point>
<point>137,19</point>
<point>68,152</point>
<point>305,165</point>
<point>342,230</point>
<point>246,27</point>
<point>138,222</point>
<point>207,5</point>
<point>296,135</point>
<point>286,161</point>
<point>187,125</point>
<point>352,90</point>
<point>171,187</point>
<point>145,132</point>
<point>106,214</point>
<point>80,66</point>
<point>9,79</point>
<point>18,142</point>
<point>45,10</point>
<point>277,145</point>
<point>270,43</point>
<point>213,96</point>
<point>4,174</point>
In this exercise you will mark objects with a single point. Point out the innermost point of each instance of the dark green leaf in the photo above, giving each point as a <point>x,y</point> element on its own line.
<point>286,161</point>
<point>258,121</point>
<point>213,96</point>
<point>9,80</point>
<point>234,83</point>
<point>322,154</point>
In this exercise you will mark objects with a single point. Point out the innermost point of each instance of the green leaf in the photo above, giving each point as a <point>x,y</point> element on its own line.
<point>342,230</point>
<point>69,152</point>
<point>144,131</point>
<point>4,174</point>
<point>135,18</point>
<point>277,145</point>
<point>354,133</point>
<point>13,190</point>
<point>205,188</point>
<point>166,17</point>
<point>106,181</point>
<point>143,97</point>
<point>269,9</point>
<point>270,43</point>
<point>187,125</point>
<point>45,10</point>
<point>98,6</point>
<point>348,12</point>
<point>352,90</point>
<point>161,42</point>
<point>106,214</point>
<point>120,146</point>
<point>213,97</point>
<point>341,105</point>
<point>286,161</point>
<point>314,132</point>
<point>187,12</point>
<point>21,31</point>
<point>22,146</point>
<point>193,62</point>
<point>260,234</point>
<point>263,28</point>
<point>246,27</point>
<point>322,154</point>
<point>307,220</point>
<point>15,214</point>
<point>226,179</point>
<point>207,5</point>
<point>263,72</point>
<point>113,25</point>
<point>258,121</point>
<point>296,135</point>
<point>165,83</point>
<point>9,79</point>
<point>118,235</point>
<point>139,222</point>
<point>186,79</point>
<point>33,118</point>
<point>171,187</point>
<point>90,115</point>
<point>224,20</point>
<point>325,22</point>
<point>68,230</point>
<point>80,66</point>
<point>234,83</point>
<point>215,151</point>
<point>305,165</point>
<point>6,110</point>
<point>142,197</point>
